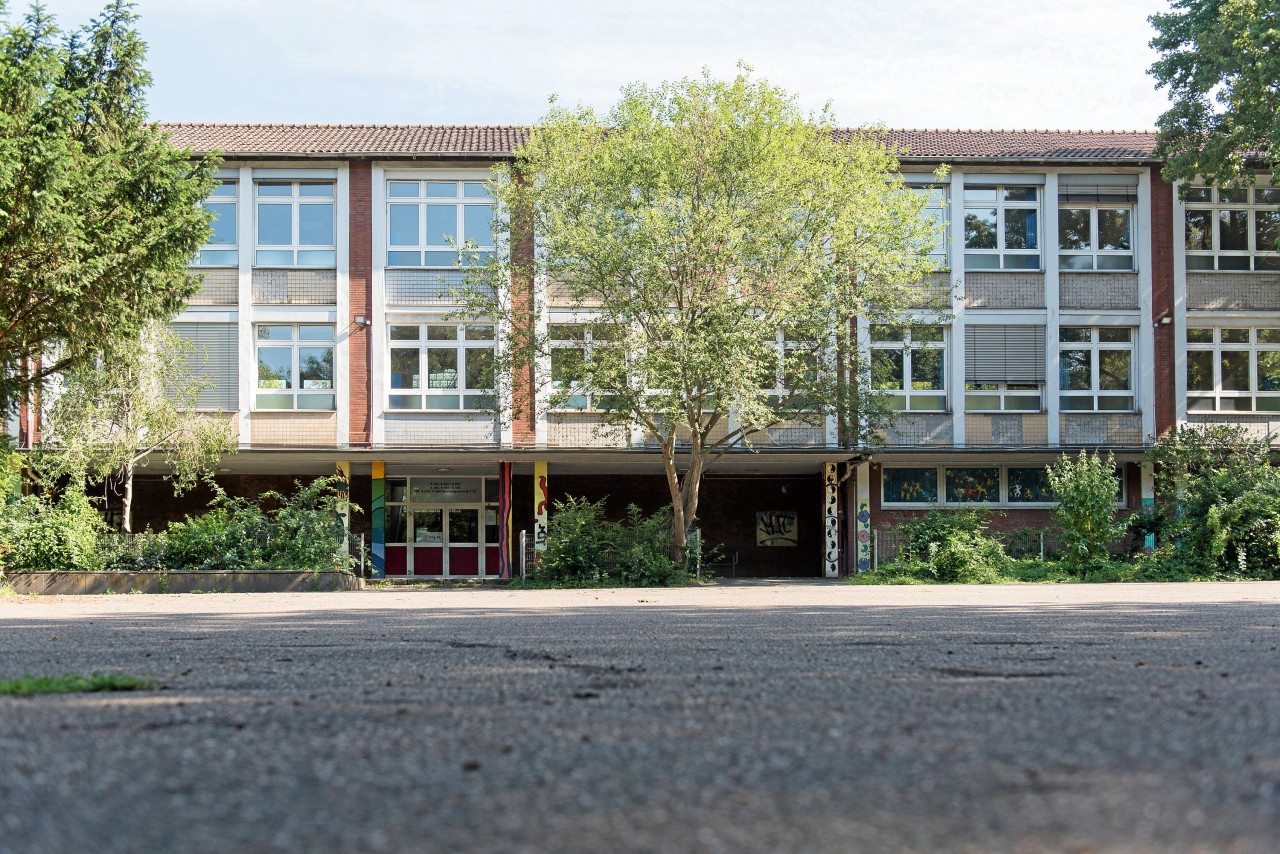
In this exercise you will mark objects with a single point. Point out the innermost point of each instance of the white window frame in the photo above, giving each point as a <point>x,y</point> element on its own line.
<point>461,253</point>
<point>436,399</point>
<point>1006,395</point>
<point>295,201</point>
<point>908,345</point>
<point>225,193</point>
<point>1218,398</point>
<point>589,400</point>
<point>940,472</point>
<point>1095,346</point>
<point>1095,254</point>
<point>936,209</point>
<point>1001,204</point>
<point>1254,258</point>
<point>296,343</point>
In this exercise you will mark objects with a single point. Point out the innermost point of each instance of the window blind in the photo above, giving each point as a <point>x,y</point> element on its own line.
<point>1004,354</point>
<point>214,358</point>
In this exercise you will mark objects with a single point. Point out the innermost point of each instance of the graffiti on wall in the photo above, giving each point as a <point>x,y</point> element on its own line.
<point>777,528</point>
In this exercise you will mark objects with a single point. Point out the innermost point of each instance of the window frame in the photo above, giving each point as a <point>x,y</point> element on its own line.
<point>908,345</point>
<point>1217,347</point>
<point>1256,260</point>
<point>232,199</point>
<point>296,343</point>
<point>462,254</point>
<point>1003,501</point>
<point>1094,252</point>
<point>1095,347</point>
<point>1005,392</point>
<point>1002,205</point>
<point>461,345</point>
<point>941,254</point>
<point>295,201</point>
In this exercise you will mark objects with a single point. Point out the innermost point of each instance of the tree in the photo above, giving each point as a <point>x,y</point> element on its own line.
<point>109,416</point>
<point>99,215</point>
<point>1085,489</point>
<point>720,243</point>
<point>1220,60</point>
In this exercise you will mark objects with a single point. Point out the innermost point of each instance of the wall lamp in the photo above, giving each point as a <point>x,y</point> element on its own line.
<point>362,321</point>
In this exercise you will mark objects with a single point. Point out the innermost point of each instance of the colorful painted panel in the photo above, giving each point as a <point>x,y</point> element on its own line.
<point>1029,485</point>
<point>971,485</point>
<point>910,485</point>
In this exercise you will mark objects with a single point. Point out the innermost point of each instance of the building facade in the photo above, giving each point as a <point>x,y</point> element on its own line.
<point>1085,305</point>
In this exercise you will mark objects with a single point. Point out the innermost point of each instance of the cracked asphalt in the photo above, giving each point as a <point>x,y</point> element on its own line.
<point>752,716</point>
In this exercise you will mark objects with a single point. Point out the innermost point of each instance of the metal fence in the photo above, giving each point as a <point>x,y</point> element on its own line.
<point>887,543</point>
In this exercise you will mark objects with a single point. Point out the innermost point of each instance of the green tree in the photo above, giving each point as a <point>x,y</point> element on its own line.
<point>720,242</point>
<point>108,417</point>
<point>99,215</point>
<point>1085,489</point>
<point>1220,60</point>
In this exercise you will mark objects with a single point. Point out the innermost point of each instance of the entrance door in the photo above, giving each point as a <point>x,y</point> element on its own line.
<point>446,541</point>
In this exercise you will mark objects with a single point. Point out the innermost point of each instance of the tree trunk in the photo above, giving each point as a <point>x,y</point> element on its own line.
<point>677,497</point>
<point>127,512</point>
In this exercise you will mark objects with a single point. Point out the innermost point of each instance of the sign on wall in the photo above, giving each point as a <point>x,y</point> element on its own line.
<point>777,528</point>
<point>446,490</point>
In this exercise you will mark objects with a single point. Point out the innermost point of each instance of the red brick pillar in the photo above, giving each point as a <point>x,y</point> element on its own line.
<point>522,379</point>
<point>360,298</point>
<point>1162,302</point>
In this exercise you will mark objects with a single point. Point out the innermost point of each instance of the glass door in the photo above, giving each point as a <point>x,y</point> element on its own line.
<point>463,541</point>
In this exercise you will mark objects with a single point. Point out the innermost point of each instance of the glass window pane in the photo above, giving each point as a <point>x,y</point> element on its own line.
<point>1021,262</point>
<point>442,190</point>
<point>1074,228</point>
<point>275,188</point>
<point>315,332</point>
<point>1076,369</point>
<point>219,257</point>
<point>966,485</point>
<point>1076,403</point>
<point>316,401</point>
<point>404,368</point>
<point>1199,336</point>
<point>980,228</point>
<point>1200,262</point>
<point>1075,334</point>
<point>1029,485</point>
<point>474,190</point>
<point>477,224</point>
<point>1113,229</point>
<point>440,401</point>
<point>886,370</point>
<point>1266,230</point>
<point>979,194</point>
<point>442,225</point>
<point>1269,370</point>
<point>315,225</point>
<point>1235,336</point>
<point>1115,335</point>
<point>910,485</point>
<point>442,368</point>
<point>1267,196</point>
<point>315,367</point>
<point>974,261</point>
<point>428,526</point>
<point>1199,236</point>
<point>439,259</point>
<point>566,332</point>
<point>275,225</point>
<point>1269,336</point>
<point>316,257</point>
<point>479,363</point>
<point>478,333</point>
<point>926,334</point>
<point>1235,370</point>
<point>1198,194</point>
<point>275,333</point>
<point>1233,231</point>
<point>403,189</point>
<point>396,527</point>
<point>1233,262</point>
<point>275,367</point>
<point>402,230</point>
<point>404,333</point>
<point>224,223</point>
<point>887,333</point>
<point>566,367</point>
<point>324,189</point>
<point>1020,229</point>
<point>927,370</point>
<point>1115,403</point>
<point>464,525</point>
<point>274,401</point>
<point>1115,262</point>
<point>1019,194</point>
<point>404,259</point>
<point>928,403</point>
<point>1199,370</point>
<point>442,333</point>
<point>1113,370</point>
<point>405,401</point>
<point>229,188</point>
<point>1233,197</point>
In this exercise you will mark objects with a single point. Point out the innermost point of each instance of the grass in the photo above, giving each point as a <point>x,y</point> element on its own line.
<point>70,683</point>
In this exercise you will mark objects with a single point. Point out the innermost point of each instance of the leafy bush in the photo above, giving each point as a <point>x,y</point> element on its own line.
<point>951,546</point>
<point>584,548</point>
<point>1085,489</point>
<point>41,535</point>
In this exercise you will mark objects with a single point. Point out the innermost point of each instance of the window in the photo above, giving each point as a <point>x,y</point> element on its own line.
<point>968,485</point>
<point>1095,238</point>
<point>1233,229</point>
<point>1233,370</point>
<point>1001,228</point>
<point>221,251</point>
<point>440,366</point>
<point>1004,367</point>
<point>935,213</point>
<point>429,223</point>
<point>909,365</point>
<point>295,366</point>
<point>295,224</point>
<point>1096,368</point>
<point>1001,397</point>
<point>572,345</point>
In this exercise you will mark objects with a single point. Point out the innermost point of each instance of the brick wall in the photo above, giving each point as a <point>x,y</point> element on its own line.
<point>360,283</point>
<point>522,381</point>
<point>1162,226</point>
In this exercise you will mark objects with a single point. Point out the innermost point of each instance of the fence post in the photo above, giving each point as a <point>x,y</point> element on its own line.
<point>875,549</point>
<point>1042,546</point>
<point>362,555</point>
<point>524,544</point>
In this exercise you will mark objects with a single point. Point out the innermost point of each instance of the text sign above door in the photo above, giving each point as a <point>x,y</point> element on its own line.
<point>447,490</point>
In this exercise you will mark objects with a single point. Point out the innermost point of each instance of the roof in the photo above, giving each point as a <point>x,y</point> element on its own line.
<point>502,140</point>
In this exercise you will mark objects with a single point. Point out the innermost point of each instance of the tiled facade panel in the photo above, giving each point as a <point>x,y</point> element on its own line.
<point>295,287</point>
<point>790,434</point>
<point>933,292</point>
<point>573,430</point>
<point>1004,290</point>
<point>909,429</point>
<point>293,429</point>
<point>1101,428</point>
<point>1258,426</point>
<point>217,287</point>
<point>1006,429</point>
<point>422,287</point>
<point>416,430</point>
<point>1098,290</point>
<point>1233,291</point>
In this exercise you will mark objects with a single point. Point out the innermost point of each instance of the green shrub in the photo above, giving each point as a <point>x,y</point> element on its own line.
<point>951,546</point>
<point>1085,490</point>
<point>41,535</point>
<point>584,548</point>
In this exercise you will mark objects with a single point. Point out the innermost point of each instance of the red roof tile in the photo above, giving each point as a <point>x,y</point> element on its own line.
<point>491,140</point>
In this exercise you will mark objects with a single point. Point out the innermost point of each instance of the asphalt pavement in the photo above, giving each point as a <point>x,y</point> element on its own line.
<point>734,718</point>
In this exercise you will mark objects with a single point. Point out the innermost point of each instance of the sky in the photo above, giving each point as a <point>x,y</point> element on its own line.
<point>1067,64</point>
